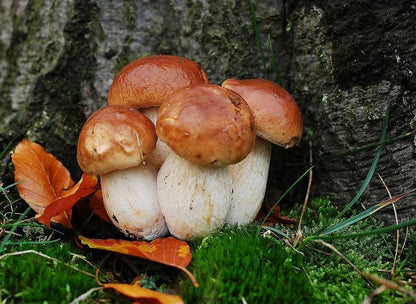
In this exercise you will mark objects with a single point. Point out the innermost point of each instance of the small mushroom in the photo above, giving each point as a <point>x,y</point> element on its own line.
<point>278,120</point>
<point>146,82</point>
<point>114,143</point>
<point>208,127</point>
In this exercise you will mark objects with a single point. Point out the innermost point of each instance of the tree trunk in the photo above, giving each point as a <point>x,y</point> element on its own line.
<point>343,62</point>
<point>349,62</point>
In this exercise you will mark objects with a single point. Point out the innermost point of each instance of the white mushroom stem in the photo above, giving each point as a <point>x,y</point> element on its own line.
<point>130,199</point>
<point>159,154</point>
<point>249,179</point>
<point>194,200</point>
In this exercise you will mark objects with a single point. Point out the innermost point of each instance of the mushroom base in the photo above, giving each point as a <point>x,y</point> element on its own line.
<point>194,200</point>
<point>130,199</point>
<point>249,179</point>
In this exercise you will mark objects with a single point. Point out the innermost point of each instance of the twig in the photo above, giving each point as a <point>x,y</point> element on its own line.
<point>368,299</point>
<point>81,257</point>
<point>390,285</point>
<point>307,275</point>
<point>85,295</point>
<point>46,257</point>
<point>406,235</point>
<point>364,276</point>
<point>396,251</point>
<point>97,271</point>
<point>305,203</point>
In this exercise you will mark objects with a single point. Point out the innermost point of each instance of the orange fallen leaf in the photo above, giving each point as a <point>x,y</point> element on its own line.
<point>85,186</point>
<point>144,295</point>
<point>41,178</point>
<point>97,206</point>
<point>167,251</point>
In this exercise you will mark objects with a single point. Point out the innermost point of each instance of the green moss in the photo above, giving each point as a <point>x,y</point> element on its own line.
<point>239,264</point>
<point>31,278</point>
<point>333,279</point>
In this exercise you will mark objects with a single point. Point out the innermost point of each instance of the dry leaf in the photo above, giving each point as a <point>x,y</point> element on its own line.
<point>96,204</point>
<point>41,178</point>
<point>145,295</point>
<point>86,185</point>
<point>168,251</point>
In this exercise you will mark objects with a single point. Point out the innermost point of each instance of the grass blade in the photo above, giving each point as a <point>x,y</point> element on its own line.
<point>364,214</point>
<point>14,227</point>
<point>20,243</point>
<point>5,150</point>
<point>372,168</point>
<point>283,195</point>
<point>257,36</point>
<point>274,62</point>
<point>368,147</point>
<point>3,189</point>
<point>277,231</point>
<point>383,230</point>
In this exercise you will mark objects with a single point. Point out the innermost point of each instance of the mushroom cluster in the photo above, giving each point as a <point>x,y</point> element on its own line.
<point>177,154</point>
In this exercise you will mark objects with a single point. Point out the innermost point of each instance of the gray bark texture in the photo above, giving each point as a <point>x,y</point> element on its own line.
<point>343,61</point>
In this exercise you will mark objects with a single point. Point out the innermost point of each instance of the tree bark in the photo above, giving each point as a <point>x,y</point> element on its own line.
<point>349,62</point>
<point>343,62</point>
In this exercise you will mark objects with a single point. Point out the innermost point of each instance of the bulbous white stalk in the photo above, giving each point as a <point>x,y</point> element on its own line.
<point>194,200</point>
<point>130,199</point>
<point>159,154</point>
<point>249,179</point>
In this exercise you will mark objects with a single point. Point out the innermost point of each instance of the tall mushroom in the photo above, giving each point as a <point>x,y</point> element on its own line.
<point>208,127</point>
<point>278,120</point>
<point>146,82</point>
<point>114,143</point>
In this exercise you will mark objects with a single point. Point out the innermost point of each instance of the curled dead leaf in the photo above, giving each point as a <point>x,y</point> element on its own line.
<point>85,186</point>
<point>40,178</point>
<point>168,251</point>
<point>144,295</point>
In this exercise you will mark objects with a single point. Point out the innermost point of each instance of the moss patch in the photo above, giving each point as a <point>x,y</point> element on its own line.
<point>239,264</point>
<point>31,278</point>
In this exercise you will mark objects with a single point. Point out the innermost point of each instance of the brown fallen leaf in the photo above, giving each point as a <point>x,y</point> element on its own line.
<point>168,251</point>
<point>96,204</point>
<point>85,186</point>
<point>40,178</point>
<point>144,295</point>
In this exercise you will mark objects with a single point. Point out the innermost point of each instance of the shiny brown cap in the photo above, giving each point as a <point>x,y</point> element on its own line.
<point>207,124</point>
<point>276,114</point>
<point>147,81</point>
<point>114,138</point>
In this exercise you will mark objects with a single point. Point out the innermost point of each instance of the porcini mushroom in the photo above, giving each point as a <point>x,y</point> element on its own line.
<point>114,143</point>
<point>208,127</point>
<point>278,120</point>
<point>146,82</point>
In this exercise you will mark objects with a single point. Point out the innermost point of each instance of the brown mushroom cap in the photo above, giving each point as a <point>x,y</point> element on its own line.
<point>276,114</point>
<point>114,138</point>
<point>207,124</point>
<point>147,81</point>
